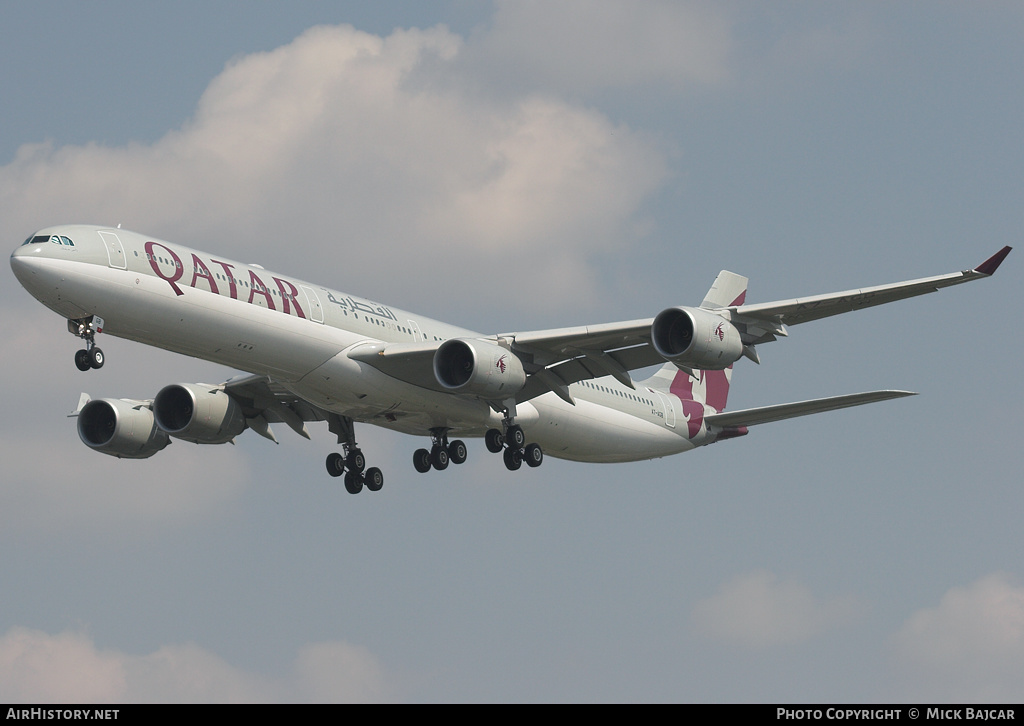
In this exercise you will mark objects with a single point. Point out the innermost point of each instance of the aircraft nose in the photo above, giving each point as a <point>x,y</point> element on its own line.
<point>22,260</point>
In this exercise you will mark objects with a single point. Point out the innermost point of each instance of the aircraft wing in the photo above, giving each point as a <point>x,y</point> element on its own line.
<point>763,321</point>
<point>551,358</point>
<point>554,359</point>
<point>768,414</point>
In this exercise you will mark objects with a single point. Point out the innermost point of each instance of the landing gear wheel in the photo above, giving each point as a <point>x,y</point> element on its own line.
<point>96,358</point>
<point>439,457</point>
<point>421,460</point>
<point>356,461</point>
<point>494,440</point>
<point>335,464</point>
<point>82,360</point>
<point>374,479</point>
<point>515,437</point>
<point>533,455</point>
<point>353,483</point>
<point>513,459</point>
<point>457,452</point>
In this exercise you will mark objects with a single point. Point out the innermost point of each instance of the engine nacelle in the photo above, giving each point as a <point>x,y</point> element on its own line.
<point>696,338</point>
<point>198,413</point>
<point>120,428</point>
<point>479,368</point>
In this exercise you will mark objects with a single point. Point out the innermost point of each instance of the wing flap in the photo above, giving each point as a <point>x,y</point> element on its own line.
<point>779,412</point>
<point>265,401</point>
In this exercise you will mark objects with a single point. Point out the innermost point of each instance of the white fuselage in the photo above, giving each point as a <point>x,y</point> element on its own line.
<point>251,319</point>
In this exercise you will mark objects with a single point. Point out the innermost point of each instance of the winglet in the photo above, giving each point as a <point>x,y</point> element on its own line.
<point>990,265</point>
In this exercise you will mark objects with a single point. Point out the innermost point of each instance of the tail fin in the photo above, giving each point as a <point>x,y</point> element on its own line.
<point>704,386</point>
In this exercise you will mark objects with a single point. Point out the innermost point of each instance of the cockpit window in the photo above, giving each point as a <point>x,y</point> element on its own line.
<point>57,239</point>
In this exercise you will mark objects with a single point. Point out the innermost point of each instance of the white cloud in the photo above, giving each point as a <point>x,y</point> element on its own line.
<point>758,610</point>
<point>68,668</point>
<point>346,158</point>
<point>367,156</point>
<point>968,648</point>
<point>36,667</point>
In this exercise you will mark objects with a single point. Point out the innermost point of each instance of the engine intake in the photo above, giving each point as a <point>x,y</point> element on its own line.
<point>479,368</point>
<point>696,338</point>
<point>120,428</point>
<point>198,413</point>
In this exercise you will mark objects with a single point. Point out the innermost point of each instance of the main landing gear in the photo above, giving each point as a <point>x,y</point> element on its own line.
<point>86,329</point>
<point>353,462</point>
<point>513,447</point>
<point>441,453</point>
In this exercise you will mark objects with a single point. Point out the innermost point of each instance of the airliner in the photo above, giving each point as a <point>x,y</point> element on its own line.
<point>312,353</point>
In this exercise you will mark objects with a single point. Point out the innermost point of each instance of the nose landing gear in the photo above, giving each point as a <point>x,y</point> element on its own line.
<point>86,329</point>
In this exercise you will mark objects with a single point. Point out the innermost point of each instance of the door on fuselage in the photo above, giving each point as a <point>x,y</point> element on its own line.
<point>667,408</point>
<point>316,311</point>
<point>115,251</point>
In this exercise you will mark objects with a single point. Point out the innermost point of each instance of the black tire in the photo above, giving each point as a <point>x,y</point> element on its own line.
<point>421,460</point>
<point>335,464</point>
<point>374,479</point>
<point>96,358</point>
<point>356,461</point>
<point>533,455</point>
<point>515,437</point>
<point>513,459</point>
<point>494,440</point>
<point>457,452</point>
<point>353,483</point>
<point>82,360</point>
<point>439,457</point>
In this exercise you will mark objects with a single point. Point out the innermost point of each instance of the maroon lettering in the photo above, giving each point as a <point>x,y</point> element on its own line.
<point>201,270</point>
<point>231,278</point>
<point>256,287</point>
<point>288,294</point>
<point>155,264</point>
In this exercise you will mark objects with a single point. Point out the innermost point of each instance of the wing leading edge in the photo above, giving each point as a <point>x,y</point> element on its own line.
<point>806,309</point>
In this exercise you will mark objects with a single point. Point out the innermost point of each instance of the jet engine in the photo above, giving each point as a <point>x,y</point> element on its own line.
<point>479,368</point>
<point>198,413</point>
<point>120,428</point>
<point>696,338</point>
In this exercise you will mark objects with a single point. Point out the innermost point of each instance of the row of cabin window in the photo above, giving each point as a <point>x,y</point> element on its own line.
<point>616,393</point>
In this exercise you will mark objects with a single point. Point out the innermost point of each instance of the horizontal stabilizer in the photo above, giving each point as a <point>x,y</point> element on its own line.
<point>767,414</point>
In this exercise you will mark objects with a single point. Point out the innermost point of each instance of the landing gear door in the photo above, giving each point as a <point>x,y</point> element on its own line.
<point>115,252</point>
<point>316,310</point>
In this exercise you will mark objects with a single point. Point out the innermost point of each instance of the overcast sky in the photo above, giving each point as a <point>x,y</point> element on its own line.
<point>515,166</point>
